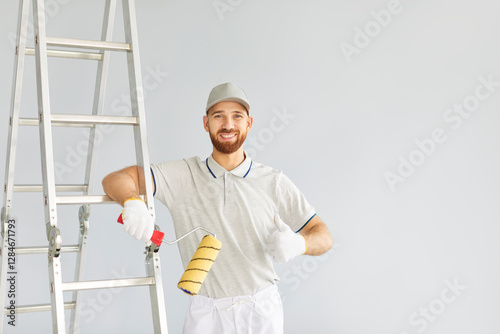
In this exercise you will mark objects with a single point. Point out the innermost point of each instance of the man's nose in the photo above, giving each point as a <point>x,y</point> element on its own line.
<point>228,124</point>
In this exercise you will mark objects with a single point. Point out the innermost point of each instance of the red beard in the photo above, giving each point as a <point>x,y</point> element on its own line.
<point>228,147</point>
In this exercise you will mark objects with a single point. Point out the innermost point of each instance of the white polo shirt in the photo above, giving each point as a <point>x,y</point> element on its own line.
<point>239,207</point>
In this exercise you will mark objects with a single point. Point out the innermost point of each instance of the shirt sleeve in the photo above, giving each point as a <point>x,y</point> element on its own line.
<point>168,178</point>
<point>293,207</point>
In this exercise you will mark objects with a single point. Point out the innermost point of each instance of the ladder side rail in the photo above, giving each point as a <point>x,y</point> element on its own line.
<point>15,102</point>
<point>22,32</point>
<point>141,148</point>
<point>153,268</point>
<point>46,148</point>
<point>137,100</point>
<point>99,94</point>
<point>83,215</point>
<point>44,116</point>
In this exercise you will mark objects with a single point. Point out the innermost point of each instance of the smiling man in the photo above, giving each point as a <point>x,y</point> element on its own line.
<point>258,214</point>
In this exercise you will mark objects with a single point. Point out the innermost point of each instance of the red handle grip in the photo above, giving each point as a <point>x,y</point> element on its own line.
<point>157,235</point>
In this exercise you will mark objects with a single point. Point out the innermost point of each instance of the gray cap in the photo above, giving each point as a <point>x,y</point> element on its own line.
<point>227,92</point>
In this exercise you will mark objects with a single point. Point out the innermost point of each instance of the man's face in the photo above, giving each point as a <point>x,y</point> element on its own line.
<point>228,124</point>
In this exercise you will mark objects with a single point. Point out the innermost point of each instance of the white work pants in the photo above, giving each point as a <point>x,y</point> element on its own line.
<point>260,313</point>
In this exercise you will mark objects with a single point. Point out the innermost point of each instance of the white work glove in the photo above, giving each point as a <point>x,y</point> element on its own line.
<point>137,221</point>
<point>284,244</point>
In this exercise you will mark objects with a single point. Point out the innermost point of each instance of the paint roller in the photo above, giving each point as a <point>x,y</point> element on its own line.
<point>201,262</point>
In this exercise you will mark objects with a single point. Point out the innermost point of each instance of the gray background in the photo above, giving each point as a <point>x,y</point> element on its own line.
<point>351,121</point>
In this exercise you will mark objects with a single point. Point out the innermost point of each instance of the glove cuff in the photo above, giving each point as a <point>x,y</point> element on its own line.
<point>134,198</point>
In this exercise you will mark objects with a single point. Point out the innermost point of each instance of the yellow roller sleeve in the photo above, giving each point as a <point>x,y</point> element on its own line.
<point>200,264</point>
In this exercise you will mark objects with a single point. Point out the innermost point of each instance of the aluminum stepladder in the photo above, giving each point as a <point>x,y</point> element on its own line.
<point>45,120</point>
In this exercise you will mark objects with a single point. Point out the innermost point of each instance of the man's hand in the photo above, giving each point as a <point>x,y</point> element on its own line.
<point>137,221</point>
<point>283,245</point>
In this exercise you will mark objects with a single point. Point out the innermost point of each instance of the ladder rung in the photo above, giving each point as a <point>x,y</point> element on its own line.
<point>88,44</point>
<point>59,188</point>
<point>84,199</point>
<point>38,308</point>
<point>45,250</point>
<point>35,122</point>
<point>112,283</point>
<point>68,54</point>
<point>29,121</point>
<point>93,119</point>
<point>82,120</point>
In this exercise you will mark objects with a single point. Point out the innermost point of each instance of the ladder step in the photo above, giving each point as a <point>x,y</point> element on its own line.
<point>38,308</point>
<point>59,188</point>
<point>111,283</point>
<point>45,250</point>
<point>88,44</point>
<point>84,199</point>
<point>68,54</point>
<point>82,120</point>
<point>94,119</point>
<point>35,122</point>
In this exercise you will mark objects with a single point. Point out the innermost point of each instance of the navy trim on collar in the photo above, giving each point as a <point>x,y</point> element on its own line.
<point>217,170</point>
<point>210,169</point>
<point>251,162</point>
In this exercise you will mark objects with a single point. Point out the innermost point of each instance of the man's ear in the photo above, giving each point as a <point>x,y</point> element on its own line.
<point>249,122</point>
<point>205,123</point>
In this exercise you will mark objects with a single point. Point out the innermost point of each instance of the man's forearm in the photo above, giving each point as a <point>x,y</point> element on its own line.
<point>318,239</point>
<point>121,185</point>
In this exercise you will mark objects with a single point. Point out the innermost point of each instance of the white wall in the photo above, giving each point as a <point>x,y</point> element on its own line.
<point>351,118</point>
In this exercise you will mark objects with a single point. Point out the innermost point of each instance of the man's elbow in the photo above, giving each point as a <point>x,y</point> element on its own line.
<point>327,238</point>
<point>106,181</point>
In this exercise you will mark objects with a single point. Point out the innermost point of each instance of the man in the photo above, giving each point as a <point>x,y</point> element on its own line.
<point>258,214</point>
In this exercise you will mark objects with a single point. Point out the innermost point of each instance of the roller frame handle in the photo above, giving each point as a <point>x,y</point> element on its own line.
<point>157,237</point>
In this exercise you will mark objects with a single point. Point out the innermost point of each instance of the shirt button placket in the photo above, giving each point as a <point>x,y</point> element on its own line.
<point>226,187</point>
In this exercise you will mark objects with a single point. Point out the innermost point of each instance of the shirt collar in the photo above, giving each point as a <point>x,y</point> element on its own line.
<point>217,170</point>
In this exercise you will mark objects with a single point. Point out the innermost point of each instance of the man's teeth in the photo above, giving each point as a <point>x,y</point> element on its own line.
<point>228,136</point>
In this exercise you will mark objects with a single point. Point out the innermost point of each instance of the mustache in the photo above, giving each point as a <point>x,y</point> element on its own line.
<point>228,131</point>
